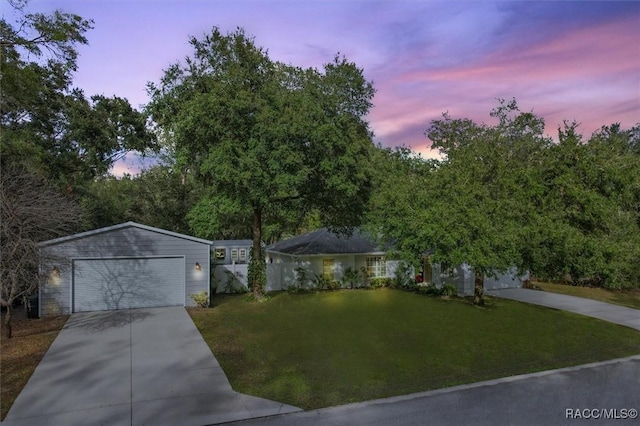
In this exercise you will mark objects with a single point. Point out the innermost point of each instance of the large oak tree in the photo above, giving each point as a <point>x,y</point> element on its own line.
<point>268,136</point>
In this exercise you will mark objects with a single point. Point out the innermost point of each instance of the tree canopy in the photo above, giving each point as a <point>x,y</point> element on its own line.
<point>268,137</point>
<point>506,195</point>
<point>48,126</point>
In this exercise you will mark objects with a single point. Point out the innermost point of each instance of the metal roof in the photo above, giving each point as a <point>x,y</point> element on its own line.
<point>324,241</point>
<point>121,226</point>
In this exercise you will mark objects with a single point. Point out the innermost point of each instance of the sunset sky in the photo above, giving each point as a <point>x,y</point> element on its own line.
<point>562,60</point>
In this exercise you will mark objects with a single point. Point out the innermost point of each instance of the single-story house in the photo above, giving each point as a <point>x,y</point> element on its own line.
<point>325,253</point>
<point>122,266</point>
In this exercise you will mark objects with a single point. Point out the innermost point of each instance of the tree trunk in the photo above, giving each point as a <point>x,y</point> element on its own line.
<point>7,328</point>
<point>478,296</point>
<point>257,266</point>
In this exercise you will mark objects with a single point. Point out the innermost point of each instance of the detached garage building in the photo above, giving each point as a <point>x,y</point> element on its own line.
<point>120,267</point>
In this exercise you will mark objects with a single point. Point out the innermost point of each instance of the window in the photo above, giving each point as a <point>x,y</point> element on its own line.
<point>376,266</point>
<point>327,269</point>
<point>234,255</point>
<point>243,255</point>
<point>221,253</point>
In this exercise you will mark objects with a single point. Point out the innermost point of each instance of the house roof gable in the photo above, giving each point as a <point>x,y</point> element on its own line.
<point>122,226</point>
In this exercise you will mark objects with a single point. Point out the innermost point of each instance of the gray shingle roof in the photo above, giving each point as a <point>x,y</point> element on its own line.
<point>324,241</point>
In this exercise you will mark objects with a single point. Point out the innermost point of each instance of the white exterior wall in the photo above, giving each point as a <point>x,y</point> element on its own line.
<point>281,268</point>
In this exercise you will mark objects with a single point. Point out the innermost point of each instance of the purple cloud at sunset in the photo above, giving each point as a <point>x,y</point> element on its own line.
<point>562,60</point>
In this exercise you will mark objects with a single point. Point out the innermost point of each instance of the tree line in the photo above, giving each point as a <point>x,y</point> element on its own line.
<point>507,195</point>
<point>249,147</point>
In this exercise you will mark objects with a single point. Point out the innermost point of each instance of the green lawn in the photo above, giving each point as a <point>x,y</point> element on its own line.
<point>628,298</point>
<point>330,348</point>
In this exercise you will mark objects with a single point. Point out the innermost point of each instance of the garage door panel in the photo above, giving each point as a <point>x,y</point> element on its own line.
<point>109,284</point>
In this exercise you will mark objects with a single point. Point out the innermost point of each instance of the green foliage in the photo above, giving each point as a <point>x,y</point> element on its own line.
<point>403,276</point>
<point>366,279</point>
<point>274,140</point>
<point>257,275</point>
<point>333,285</point>
<point>351,277</point>
<point>506,195</point>
<point>201,299</point>
<point>302,281</point>
<point>321,282</point>
<point>383,282</point>
<point>448,290</point>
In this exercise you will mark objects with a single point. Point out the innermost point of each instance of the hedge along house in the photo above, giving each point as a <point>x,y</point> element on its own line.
<point>326,254</point>
<point>120,267</point>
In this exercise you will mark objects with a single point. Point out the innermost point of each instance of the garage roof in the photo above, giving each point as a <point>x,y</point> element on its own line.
<point>122,226</point>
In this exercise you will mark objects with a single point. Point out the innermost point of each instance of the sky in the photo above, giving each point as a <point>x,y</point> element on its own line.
<point>563,60</point>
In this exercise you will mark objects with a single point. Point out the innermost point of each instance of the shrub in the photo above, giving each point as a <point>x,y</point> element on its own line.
<point>365,277</point>
<point>321,281</point>
<point>201,299</point>
<point>382,282</point>
<point>302,278</point>
<point>350,277</point>
<point>333,285</point>
<point>403,275</point>
<point>448,290</point>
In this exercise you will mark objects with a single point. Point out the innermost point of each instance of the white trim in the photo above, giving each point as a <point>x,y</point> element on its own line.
<point>122,226</point>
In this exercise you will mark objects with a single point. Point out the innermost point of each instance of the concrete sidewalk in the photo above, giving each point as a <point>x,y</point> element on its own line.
<point>133,367</point>
<point>605,311</point>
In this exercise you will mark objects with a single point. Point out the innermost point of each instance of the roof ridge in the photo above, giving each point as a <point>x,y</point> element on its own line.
<point>320,232</point>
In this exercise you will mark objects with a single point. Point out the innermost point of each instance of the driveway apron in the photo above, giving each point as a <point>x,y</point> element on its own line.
<point>133,367</point>
<point>605,311</point>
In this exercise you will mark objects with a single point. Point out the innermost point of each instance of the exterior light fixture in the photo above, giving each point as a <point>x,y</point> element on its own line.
<point>198,267</point>
<point>55,272</point>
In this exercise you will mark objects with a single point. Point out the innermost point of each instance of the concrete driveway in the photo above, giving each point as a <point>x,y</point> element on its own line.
<point>133,367</point>
<point>605,311</point>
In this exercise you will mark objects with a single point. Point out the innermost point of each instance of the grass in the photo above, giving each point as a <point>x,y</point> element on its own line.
<point>628,298</point>
<point>330,348</point>
<point>20,355</point>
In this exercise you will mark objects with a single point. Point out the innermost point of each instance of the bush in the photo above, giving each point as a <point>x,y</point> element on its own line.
<point>432,290</point>
<point>333,285</point>
<point>403,275</point>
<point>201,299</point>
<point>448,290</point>
<point>321,281</point>
<point>302,278</point>
<point>383,282</point>
<point>350,277</point>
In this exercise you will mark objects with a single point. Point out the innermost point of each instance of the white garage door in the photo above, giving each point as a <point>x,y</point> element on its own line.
<point>109,284</point>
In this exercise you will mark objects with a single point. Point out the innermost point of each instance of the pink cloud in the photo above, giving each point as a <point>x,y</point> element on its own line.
<point>591,75</point>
